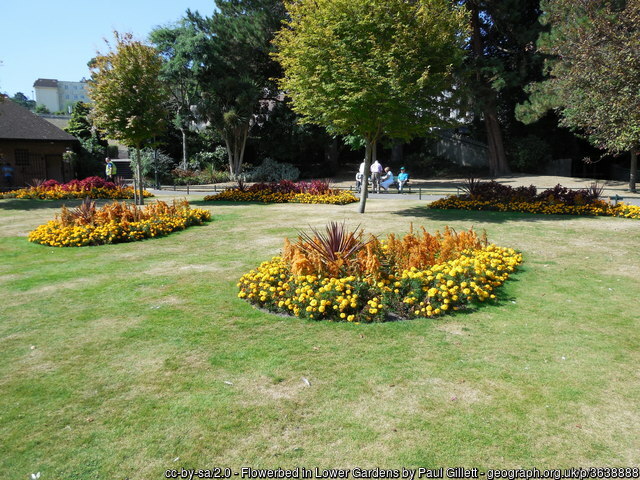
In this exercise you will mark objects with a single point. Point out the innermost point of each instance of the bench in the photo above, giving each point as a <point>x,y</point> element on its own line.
<point>616,198</point>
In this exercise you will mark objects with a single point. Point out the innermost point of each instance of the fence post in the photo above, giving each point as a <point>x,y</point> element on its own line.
<point>187,188</point>
<point>419,193</point>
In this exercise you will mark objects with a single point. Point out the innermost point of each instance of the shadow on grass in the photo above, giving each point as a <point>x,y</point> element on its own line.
<point>33,204</point>
<point>203,203</point>
<point>483,215</point>
<point>36,204</point>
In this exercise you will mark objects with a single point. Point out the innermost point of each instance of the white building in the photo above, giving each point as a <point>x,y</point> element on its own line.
<point>58,95</point>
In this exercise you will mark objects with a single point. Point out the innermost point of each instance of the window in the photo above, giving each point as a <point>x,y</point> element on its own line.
<point>22,157</point>
<point>66,87</point>
<point>67,97</point>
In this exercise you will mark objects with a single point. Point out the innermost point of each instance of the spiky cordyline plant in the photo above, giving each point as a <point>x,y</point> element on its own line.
<point>334,244</point>
<point>83,214</point>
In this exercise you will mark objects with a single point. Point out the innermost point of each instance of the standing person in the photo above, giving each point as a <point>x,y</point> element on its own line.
<point>376,172</point>
<point>360,177</point>
<point>7,173</point>
<point>387,179</point>
<point>109,170</point>
<point>403,178</point>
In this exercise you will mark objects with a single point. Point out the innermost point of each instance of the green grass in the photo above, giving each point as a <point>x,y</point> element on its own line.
<point>116,360</point>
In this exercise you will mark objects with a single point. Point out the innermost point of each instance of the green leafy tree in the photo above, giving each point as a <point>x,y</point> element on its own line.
<point>79,124</point>
<point>371,68</point>
<point>93,147</point>
<point>21,99</point>
<point>593,73</point>
<point>128,96</point>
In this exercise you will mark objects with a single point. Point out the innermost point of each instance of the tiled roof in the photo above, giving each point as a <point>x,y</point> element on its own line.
<point>18,123</point>
<point>46,82</point>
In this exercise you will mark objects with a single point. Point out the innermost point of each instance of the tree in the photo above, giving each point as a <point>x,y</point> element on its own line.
<point>371,67</point>
<point>176,45</point>
<point>502,60</point>
<point>21,99</point>
<point>79,124</point>
<point>594,73</point>
<point>230,58</point>
<point>128,96</point>
<point>93,147</point>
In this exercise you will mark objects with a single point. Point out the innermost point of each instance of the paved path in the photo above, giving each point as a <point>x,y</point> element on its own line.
<point>427,195</point>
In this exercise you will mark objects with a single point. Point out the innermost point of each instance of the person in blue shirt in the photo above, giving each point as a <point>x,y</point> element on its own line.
<point>403,179</point>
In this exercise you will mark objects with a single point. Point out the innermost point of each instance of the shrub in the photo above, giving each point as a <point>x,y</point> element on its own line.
<point>529,154</point>
<point>216,160</point>
<point>498,192</point>
<point>150,160</point>
<point>558,200</point>
<point>199,177</point>
<point>337,275</point>
<point>272,171</point>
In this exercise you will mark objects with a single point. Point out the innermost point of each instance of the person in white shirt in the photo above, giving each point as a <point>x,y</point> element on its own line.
<point>376,171</point>
<point>387,179</point>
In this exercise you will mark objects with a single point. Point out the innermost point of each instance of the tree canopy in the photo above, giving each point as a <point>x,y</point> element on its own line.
<point>21,99</point>
<point>593,72</point>
<point>372,67</point>
<point>228,56</point>
<point>127,94</point>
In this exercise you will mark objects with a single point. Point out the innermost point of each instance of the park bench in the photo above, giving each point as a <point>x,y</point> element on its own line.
<point>616,198</point>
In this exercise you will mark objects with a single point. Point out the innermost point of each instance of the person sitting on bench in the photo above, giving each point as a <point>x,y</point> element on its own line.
<point>387,179</point>
<point>403,179</point>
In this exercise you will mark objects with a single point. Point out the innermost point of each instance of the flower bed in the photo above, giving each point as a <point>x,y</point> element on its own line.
<point>338,276</point>
<point>286,191</point>
<point>115,223</point>
<point>555,201</point>
<point>93,187</point>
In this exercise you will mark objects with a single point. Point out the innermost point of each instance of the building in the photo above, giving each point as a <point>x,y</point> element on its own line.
<point>32,146</point>
<point>58,95</point>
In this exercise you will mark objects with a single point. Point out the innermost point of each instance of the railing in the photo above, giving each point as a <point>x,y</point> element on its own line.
<point>188,188</point>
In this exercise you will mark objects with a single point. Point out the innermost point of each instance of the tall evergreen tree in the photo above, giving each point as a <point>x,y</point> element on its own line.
<point>176,46</point>
<point>79,124</point>
<point>231,54</point>
<point>502,60</point>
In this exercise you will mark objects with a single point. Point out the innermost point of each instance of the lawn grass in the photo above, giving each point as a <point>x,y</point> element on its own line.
<point>119,359</point>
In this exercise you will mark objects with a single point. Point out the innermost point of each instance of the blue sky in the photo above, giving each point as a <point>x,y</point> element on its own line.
<point>45,39</point>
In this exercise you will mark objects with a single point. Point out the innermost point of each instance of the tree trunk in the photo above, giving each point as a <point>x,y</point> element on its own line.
<point>397,152</point>
<point>236,141</point>
<point>184,149</point>
<point>367,169</point>
<point>140,199</point>
<point>633,167</point>
<point>497,158</point>
<point>331,155</point>
<point>135,187</point>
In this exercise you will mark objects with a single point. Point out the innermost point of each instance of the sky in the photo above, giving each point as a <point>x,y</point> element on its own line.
<point>48,39</point>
